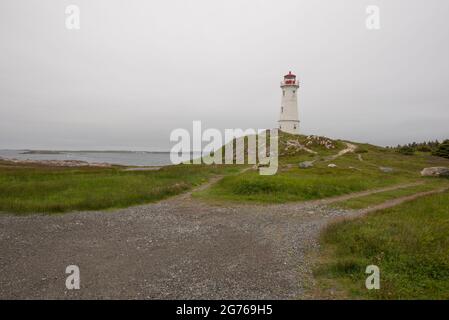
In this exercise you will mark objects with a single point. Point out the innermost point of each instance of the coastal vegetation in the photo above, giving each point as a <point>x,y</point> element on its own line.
<point>440,149</point>
<point>47,189</point>
<point>408,243</point>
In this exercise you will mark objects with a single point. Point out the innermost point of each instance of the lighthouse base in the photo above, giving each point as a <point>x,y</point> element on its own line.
<point>291,127</point>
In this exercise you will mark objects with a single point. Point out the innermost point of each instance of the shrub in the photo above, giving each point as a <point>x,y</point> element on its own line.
<point>406,150</point>
<point>442,150</point>
<point>423,148</point>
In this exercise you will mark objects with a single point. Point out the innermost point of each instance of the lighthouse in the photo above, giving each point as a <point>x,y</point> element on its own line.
<point>289,120</point>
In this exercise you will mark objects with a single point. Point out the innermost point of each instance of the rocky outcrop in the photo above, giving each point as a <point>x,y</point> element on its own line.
<point>321,141</point>
<point>435,172</point>
<point>296,146</point>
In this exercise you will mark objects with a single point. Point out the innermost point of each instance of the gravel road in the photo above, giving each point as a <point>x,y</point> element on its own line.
<point>179,248</point>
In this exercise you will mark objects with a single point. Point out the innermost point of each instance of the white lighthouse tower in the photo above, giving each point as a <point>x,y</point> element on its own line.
<point>289,120</point>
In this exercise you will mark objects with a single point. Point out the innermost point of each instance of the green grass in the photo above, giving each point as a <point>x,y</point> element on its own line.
<point>51,189</point>
<point>294,184</point>
<point>409,243</point>
<point>378,198</point>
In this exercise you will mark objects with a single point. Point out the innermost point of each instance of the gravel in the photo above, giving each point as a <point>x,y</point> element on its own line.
<point>175,249</point>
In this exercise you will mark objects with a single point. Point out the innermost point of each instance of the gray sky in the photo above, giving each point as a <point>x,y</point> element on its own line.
<point>138,69</point>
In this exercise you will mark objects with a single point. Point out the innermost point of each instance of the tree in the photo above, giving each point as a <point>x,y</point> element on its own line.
<point>442,150</point>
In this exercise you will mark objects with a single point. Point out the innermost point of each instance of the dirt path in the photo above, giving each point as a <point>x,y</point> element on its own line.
<point>398,201</point>
<point>367,192</point>
<point>349,148</point>
<point>177,248</point>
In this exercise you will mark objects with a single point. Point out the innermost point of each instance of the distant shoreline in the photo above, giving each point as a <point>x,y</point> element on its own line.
<point>84,151</point>
<point>50,152</point>
<point>60,163</point>
<point>113,157</point>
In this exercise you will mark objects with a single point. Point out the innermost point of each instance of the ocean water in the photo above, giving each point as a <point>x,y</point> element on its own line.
<point>138,158</point>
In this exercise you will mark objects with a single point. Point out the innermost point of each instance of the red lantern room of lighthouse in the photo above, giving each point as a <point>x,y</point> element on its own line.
<point>290,79</point>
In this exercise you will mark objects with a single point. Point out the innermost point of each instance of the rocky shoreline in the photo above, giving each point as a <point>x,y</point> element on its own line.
<point>58,163</point>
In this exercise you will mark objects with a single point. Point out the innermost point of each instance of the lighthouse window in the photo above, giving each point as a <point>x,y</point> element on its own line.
<point>283,93</point>
<point>294,127</point>
<point>282,109</point>
<point>294,91</point>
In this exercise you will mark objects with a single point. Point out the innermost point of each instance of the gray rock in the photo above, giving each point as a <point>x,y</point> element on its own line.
<point>332,165</point>
<point>306,164</point>
<point>386,169</point>
<point>435,172</point>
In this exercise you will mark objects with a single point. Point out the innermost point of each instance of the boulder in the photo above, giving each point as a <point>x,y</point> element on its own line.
<point>386,169</point>
<point>332,165</point>
<point>306,164</point>
<point>435,172</point>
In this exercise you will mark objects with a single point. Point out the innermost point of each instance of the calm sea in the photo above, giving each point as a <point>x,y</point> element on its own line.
<point>138,158</point>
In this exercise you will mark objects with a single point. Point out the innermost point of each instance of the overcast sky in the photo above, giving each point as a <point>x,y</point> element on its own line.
<point>136,70</point>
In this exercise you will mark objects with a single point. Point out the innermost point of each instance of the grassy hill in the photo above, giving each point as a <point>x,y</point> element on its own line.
<point>361,169</point>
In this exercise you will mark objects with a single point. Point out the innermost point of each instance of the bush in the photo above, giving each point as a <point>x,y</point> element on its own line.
<point>423,148</point>
<point>442,150</point>
<point>406,150</point>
